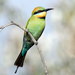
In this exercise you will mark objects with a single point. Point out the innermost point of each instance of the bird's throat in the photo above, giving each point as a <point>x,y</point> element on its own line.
<point>41,15</point>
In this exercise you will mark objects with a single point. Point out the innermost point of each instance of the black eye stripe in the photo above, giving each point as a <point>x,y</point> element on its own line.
<point>39,11</point>
<point>35,12</point>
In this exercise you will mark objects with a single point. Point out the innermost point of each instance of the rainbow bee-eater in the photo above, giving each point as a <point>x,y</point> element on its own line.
<point>35,26</point>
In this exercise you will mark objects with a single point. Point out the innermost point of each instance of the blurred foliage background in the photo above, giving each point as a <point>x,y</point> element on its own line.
<point>57,42</point>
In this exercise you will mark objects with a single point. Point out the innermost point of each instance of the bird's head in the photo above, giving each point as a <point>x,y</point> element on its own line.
<point>40,12</point>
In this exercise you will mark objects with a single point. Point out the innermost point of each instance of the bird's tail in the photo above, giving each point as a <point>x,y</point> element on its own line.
<point>19,61</point>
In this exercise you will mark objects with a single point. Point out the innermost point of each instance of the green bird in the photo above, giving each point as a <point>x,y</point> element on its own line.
<point>35,26</point>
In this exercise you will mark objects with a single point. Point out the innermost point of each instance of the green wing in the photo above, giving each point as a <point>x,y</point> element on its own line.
<point>26,25</point>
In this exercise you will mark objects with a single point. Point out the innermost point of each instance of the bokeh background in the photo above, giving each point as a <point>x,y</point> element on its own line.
<point>57,42</point>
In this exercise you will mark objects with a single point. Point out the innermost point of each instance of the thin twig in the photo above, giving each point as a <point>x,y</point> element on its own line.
<point>33,39</point>
<point>42,59</point>
<point>2,27</point>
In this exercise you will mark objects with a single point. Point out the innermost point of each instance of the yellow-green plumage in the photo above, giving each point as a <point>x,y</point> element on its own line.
<point>35,26</point>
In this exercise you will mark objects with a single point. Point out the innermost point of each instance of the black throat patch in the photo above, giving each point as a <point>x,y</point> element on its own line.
<point>42,17</point>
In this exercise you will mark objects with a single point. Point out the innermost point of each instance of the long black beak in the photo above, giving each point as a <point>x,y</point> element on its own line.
<point>48,9</point>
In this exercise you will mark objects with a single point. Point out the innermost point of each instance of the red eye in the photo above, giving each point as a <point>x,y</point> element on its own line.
<point>38,11</point>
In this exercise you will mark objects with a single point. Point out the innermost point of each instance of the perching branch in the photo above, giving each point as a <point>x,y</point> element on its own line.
<point>42,59</point>
<point>33,39</point>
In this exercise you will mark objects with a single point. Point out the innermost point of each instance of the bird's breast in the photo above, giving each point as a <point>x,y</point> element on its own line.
<point>36,27</point>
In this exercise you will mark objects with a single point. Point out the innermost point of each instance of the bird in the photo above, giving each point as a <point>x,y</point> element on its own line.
<point>35,25</point>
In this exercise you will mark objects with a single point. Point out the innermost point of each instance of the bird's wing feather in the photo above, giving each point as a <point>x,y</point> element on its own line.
<point>26,26</point>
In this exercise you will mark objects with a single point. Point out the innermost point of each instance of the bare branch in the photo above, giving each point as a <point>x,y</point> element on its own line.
<point>35,42</point>
<point>42,59</point>
<point>2,27</point>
